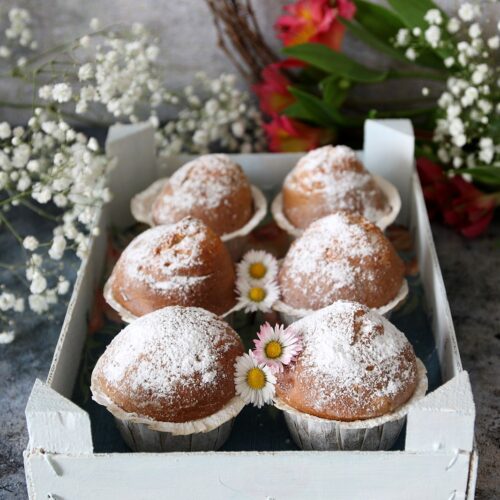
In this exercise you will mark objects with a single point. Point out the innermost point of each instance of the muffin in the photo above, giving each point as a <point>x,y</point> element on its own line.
<point>168,378</point>
<point>327,180</point>
<point>354,366</point>
<point>183,264</point>
<point>340,257</point>
<point>211,188</point>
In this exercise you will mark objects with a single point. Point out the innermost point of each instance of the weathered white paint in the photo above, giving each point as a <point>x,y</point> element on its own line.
<point>55,424</point>
<point>392,162</point>
<point>137,161</point>
<point>65,363</point>
<point>444,420</point>
<point>427,473</point>
<point>432,280</point>
<point>252,475</point>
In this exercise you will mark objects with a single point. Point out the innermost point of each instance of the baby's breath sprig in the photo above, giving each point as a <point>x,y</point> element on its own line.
<point>212,114</point>
<point>465,135</point>
<point>60,175</point>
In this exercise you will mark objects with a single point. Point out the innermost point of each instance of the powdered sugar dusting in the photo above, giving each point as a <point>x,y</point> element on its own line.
<point>334,173</point>
<point>170,348</point>
<point>329,256</point>
<point>352,354</point>
<point>163,256</point>
<point>205,182</point>
<point>320,159</point>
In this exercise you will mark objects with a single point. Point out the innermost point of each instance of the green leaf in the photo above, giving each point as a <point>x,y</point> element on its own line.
<point>323,113</point>
<point>378,20</point>
<point>313,107</point>
<point>334,90</point>
<point>412,12</point>
<point>299,112</point>
<point>383,45</point>
<point>485,175</point>
<point>335,63</point>
<point>384,25</point>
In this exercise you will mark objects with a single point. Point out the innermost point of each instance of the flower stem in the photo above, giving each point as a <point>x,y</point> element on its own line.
<point>16,105</point>
<point>10,227</point>
<point>13,270</point>
<point>39,211</point>
<point>14,197</point>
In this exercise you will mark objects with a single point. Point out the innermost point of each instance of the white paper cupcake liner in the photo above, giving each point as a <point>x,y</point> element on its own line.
<point>314,433</point>
<point>139,437</point>
<point>128,317</point>
<point>390,191</point>
<point>144,434</point>
<point>141,207</point>
<point>290,314</point>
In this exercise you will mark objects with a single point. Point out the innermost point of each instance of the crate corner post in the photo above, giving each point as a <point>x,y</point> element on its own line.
<point>389,149</point>
<point>444,419</point>
<point>56,424</point>
<point>133,146</point>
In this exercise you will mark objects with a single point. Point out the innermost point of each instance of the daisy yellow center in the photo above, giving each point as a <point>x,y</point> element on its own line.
<point>256,378</point>
<point>257,270</point>
<point>273,349</point>
<point>256,294</point>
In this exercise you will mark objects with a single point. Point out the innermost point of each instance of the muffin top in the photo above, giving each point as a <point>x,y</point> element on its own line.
<point>354,365</point>
<point>340,257</point>
<point>173,365</point>
<point>329,179</point>
<point>181,264</point>
<point>212,188</point>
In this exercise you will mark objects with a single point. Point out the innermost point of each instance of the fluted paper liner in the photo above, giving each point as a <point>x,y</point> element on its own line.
<point>140,438</point>
<point>144,434</point>
<point>390,191</point>
<point>314,433</point>
<point>128,317</point>
<point>290,314</point>
<point>141,207</point>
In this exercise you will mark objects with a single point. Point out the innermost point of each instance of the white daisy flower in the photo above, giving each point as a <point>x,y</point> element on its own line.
<point>257,266</point>
<point>253,381</point>
<point>276,346</point>
<point>258,296</point>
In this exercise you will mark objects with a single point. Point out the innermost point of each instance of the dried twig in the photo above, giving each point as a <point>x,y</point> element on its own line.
<point>239,36</point>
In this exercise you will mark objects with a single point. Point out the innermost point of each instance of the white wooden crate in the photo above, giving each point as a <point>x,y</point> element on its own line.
<point>439,460</point>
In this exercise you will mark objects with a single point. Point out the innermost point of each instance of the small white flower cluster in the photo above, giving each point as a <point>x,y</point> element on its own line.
<point>118,71</point>
<point>18,35</point>
<point>8,302</point>
<point>50,163</point>
<point>417,39</point>
<point>464,132</point>
<point>41,295</point>
<point>122,75</point>
<point>213,113</point>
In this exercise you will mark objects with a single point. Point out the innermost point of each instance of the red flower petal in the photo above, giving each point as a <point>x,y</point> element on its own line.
<point>477,228</point>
